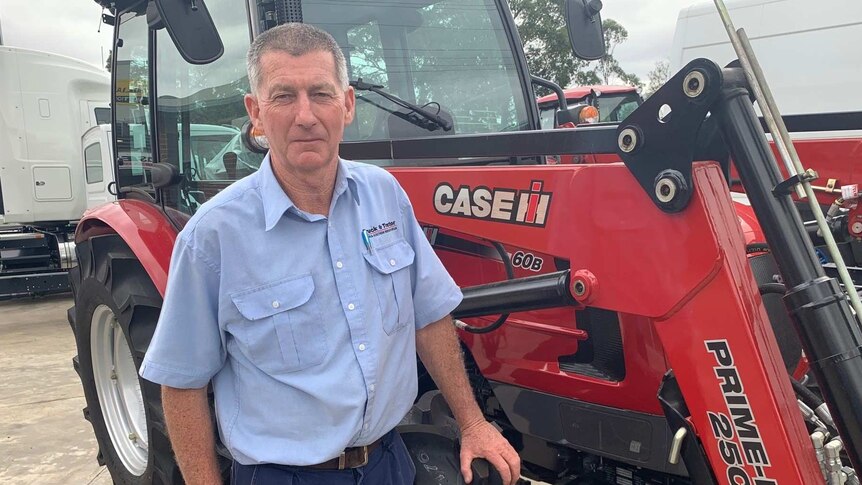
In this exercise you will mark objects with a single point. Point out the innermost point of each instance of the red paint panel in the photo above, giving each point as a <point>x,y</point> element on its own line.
<point>832,158</point>
<point>676,280</point>
<point>598,218</point>
<point>145,228</point>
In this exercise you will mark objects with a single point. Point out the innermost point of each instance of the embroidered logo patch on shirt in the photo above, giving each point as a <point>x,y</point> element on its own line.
<point>382,233</point>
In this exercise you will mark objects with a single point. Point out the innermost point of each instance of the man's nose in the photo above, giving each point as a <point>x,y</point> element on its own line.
<point>305,116</point>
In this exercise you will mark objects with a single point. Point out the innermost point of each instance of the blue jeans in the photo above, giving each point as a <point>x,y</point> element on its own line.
<point>389,464</point>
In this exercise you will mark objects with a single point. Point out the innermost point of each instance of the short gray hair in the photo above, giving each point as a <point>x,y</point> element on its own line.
<point>295,39</point>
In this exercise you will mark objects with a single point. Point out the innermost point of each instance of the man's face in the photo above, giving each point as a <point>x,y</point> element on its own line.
<point>301,108</point>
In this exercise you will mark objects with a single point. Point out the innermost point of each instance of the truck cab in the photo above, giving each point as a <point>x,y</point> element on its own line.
<point>47,178</point>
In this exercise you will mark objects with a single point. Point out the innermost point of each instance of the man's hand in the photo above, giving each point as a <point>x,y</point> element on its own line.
<point>437,345</point>
<point>482,440</point>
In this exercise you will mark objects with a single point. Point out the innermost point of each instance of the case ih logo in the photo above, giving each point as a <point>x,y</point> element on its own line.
<point>527,207</point>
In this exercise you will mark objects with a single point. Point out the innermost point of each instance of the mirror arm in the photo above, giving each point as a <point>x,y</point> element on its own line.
<point>563,115</point>
<point>561,97</point>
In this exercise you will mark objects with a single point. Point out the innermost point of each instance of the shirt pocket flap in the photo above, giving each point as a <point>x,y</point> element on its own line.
<point>391,258</point>
<point>266,301</point>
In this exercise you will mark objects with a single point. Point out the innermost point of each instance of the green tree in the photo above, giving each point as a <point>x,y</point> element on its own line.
<point>542,27</point>
<point>657,76</point>
<point>609,68</point>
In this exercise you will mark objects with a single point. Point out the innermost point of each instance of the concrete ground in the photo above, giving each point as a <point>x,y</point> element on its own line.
<point>44,438</point>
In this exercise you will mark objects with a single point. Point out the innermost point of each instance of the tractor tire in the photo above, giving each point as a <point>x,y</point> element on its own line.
<point>114,317</point>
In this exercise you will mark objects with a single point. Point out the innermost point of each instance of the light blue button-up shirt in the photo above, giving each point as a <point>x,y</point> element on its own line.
<point>305,326</point>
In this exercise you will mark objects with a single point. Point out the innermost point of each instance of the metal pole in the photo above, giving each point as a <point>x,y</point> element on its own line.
<point>765,107</point>
<point>781,138</point>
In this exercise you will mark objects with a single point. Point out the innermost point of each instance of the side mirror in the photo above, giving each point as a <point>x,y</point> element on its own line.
<point>585,28</point>
<point>192,29</point>
<point>571,115</point>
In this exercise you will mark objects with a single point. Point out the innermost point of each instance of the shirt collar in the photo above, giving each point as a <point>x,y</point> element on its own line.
<point>276,201</point>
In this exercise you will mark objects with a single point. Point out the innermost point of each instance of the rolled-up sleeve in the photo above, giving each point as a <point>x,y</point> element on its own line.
<point>435,293</point>
<point>187,348</point>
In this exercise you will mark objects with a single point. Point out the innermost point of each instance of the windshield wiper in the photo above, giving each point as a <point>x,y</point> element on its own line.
<point>434,119</point>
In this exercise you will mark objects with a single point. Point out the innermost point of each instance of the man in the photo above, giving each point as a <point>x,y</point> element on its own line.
<point>303,292</point>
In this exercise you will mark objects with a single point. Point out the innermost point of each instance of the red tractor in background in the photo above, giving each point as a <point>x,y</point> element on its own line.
<point>622,322</point>
<point>612,104</point>
<point>587,105</point>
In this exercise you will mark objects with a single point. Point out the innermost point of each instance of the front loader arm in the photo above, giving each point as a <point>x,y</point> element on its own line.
<point>659,238</point>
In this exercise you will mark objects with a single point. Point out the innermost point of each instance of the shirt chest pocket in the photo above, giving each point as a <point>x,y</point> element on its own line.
<point>281,328</point>
<point>391,276</point>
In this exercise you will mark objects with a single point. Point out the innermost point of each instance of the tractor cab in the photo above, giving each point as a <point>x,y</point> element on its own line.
<point>458,60</point>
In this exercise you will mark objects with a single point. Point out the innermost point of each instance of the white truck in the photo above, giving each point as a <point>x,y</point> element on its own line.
<point>54,163</point>
<point>810,56</point>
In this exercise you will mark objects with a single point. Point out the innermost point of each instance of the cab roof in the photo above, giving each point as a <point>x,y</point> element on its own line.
<point>579,92</point>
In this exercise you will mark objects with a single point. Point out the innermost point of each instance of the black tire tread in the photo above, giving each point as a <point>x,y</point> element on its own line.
<point>107,261</point>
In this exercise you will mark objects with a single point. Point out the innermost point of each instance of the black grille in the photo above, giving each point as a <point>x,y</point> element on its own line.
<point>601,355</point>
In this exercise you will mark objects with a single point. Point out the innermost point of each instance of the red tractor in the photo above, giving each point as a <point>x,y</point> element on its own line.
<point>612,104</point>
<point>622,322</point>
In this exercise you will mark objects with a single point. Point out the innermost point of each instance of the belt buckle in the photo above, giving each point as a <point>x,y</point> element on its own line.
<point>342,458</point>
<point>364,457</point>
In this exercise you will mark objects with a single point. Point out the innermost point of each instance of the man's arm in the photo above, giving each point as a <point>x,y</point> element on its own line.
<point>437,346</point>
<point>187,414</point>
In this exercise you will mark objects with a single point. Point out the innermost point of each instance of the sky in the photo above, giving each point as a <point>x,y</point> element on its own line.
<point>72,29</point>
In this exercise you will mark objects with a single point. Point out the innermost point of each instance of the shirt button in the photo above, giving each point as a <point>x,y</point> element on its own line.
<point>351,306</point>
<point>339,264</point>
<point>361,347</point>
<point>391,262</point>
<point>371,388</point>
<point>275,304</point>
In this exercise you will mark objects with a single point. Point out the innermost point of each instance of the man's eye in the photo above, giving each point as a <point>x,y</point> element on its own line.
<point>322,95</point>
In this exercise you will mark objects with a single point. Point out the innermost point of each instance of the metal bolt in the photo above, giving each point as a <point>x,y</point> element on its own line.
<point>580,288</point>
<point>694,84</point>
<point>628,140</point>
<point>133,436</point>
<point>113,374</point>
<point>665,190</point>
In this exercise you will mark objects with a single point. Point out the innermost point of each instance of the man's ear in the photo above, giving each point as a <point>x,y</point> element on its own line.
<point>349,105</point>
<point>253,110</point>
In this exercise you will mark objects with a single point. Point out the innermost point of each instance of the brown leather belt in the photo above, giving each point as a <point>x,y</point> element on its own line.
<point>350,458</point>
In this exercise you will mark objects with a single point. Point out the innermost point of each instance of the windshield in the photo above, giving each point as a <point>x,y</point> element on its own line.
<point>450,56</point>
<point>546,117</point>
<point>616,107</point>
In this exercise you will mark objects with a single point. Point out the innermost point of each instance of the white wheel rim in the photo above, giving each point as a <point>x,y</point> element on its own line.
<point>119,390</point>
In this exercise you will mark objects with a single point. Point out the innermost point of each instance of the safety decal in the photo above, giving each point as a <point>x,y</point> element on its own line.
<point>739,440</point>
<point>513,206</point>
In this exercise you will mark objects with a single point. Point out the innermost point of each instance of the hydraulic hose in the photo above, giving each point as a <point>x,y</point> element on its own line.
<point>510,274</point>
<point>806,395</point>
